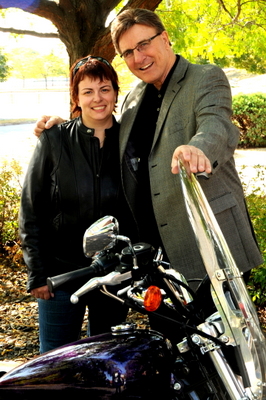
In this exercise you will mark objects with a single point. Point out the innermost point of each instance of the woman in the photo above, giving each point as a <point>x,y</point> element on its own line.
<point>72,180</point>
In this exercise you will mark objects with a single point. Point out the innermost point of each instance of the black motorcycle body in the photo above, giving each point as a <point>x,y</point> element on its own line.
<point>128,363</point>
<point>100,367</point>
<point>204,344</point>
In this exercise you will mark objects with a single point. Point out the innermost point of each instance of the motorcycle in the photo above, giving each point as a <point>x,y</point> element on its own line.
<point>203,344</point>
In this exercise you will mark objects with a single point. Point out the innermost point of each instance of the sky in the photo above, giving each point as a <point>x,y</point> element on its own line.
<point>16,18</point>
<point>16,3</point>
<point>19,19</point>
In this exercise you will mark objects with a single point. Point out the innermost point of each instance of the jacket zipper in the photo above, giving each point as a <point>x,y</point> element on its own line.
<point>97,174</point>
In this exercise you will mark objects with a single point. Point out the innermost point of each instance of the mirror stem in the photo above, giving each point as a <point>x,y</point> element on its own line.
<point>126,239</point>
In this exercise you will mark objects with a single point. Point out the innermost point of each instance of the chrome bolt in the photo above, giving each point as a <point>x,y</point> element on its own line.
<point>224,339</point>
<point>177,386</point>
<point>196,339</point>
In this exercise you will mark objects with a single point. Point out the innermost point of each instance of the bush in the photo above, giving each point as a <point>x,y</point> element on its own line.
<point>10,190</point>
<point>249,115</point>
<point>255,195</point>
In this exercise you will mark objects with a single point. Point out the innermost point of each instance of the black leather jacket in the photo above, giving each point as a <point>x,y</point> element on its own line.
<point>70,183</point>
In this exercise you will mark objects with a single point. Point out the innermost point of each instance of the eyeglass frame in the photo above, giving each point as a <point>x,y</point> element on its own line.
<point>139,44</point>
<point>84,60</point>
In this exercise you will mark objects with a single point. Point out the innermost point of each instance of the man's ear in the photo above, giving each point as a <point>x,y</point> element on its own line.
<point>165,37</point>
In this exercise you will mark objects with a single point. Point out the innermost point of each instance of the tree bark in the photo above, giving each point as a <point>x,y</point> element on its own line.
<point>81,23</point>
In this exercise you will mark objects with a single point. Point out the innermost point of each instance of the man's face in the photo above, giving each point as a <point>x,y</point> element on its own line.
<point>154,63</point>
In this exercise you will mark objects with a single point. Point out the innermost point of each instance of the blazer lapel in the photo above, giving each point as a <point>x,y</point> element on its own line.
<point>171,92</point>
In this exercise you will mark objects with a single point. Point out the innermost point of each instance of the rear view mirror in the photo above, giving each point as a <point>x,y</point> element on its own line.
<point>101,235</point>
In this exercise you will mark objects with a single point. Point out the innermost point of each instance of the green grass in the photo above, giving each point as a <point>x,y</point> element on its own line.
<point>17,121</point>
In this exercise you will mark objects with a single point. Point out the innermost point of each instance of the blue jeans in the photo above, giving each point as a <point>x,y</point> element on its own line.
<point>60,321</point>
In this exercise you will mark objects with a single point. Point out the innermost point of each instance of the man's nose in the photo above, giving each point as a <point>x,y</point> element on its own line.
<point>138,56</point>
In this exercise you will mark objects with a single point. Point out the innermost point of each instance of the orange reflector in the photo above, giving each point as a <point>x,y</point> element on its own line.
<point>153,298</point>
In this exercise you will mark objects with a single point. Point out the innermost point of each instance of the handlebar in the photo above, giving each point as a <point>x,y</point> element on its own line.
<point>108,269</point>
<point>99,267</point>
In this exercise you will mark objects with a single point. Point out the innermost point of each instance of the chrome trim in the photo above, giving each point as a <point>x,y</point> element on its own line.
<point>239,316</point>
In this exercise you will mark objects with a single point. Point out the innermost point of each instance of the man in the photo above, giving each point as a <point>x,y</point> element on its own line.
<point>178,110</point>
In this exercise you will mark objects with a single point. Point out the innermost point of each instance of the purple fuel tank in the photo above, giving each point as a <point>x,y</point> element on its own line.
<point>135,364</point>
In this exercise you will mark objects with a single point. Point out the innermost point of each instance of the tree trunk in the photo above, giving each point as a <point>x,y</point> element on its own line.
<point>81,24</point>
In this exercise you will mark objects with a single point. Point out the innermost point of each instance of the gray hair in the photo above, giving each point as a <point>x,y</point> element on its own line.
<point>126,19</point>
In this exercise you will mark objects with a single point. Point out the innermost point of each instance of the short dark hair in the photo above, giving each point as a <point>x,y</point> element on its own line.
<point>95,68</point>
<point>128,18</point>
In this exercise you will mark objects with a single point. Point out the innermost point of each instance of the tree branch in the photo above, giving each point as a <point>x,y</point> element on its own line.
<point>42,8</point>
<point>221,2</point>
<point>31,33</point>
<point>148,4</point>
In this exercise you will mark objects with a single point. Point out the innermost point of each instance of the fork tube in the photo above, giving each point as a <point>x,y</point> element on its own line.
<point>231,383</point>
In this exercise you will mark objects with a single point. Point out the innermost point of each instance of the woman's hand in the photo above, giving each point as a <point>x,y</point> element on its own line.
<point>42,293</point>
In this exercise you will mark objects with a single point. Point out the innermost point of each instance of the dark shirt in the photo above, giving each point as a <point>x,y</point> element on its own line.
<point>141,139</point>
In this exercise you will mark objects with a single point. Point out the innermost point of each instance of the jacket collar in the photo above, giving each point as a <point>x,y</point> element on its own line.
<point>90,131</point>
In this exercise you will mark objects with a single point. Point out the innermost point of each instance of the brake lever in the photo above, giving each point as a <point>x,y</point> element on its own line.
<point>112,279</point>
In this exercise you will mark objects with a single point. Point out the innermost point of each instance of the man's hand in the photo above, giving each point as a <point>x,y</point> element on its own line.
<point>193,158</point>
<point>46,122</point>
<point>42,293</point>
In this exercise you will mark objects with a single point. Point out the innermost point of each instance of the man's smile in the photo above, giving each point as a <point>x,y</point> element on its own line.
<point>146,66</point>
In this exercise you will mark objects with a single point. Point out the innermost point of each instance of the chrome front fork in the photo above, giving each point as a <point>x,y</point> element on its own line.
<point>233,383</point>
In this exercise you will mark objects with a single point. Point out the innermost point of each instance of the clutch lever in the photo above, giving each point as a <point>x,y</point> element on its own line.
<point>112,279</point>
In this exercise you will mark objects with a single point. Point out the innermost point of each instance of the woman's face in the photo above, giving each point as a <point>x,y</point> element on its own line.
<point>97,101</point>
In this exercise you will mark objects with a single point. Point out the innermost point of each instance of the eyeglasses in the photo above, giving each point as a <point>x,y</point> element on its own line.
<point>84,60</point>
<point>141,47</point>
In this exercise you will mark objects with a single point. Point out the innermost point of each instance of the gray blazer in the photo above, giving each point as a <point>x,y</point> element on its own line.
<point>196,110</point>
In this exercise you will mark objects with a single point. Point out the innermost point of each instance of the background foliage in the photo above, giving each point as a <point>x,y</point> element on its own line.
<point>218,31</point>
<point>4,68</point>
<point>10,190</point>
<point>255,194</point>
<point>250,117</point>
<point>32,64</point>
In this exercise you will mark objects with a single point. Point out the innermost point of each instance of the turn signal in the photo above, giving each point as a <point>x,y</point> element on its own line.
<point>153,298</point>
